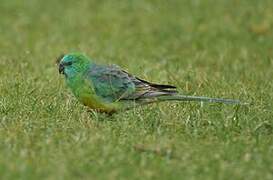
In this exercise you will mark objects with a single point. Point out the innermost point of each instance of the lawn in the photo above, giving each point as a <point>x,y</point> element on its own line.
<point>211,48</point>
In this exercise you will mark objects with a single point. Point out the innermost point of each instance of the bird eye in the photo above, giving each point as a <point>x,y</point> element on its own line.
<point>68,63</point>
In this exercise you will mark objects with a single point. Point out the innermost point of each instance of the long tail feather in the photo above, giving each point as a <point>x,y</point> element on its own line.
<point>197,98</point>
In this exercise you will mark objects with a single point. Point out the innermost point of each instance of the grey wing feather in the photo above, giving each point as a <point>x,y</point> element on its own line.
<point>112,83</point>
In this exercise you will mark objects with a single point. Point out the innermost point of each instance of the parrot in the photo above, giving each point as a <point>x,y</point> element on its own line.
<point>110,89</point>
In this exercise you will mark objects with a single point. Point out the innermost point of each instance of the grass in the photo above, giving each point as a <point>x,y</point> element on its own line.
<point>211,48</point>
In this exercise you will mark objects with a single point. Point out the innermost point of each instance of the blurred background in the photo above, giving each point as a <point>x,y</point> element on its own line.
<point>224,36</point>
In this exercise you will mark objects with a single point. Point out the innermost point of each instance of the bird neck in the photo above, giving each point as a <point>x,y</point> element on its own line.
<point>76,75</point>
<point>76,71</point>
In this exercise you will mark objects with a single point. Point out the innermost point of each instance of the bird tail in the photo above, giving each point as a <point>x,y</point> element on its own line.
<point>179,97</point>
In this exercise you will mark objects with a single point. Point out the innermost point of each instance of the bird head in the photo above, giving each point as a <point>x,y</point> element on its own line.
<point>73,63</point>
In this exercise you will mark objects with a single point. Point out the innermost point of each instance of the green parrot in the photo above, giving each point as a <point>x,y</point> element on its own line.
<point>110,89</point>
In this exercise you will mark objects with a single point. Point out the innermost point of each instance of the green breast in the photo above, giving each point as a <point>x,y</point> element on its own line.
<point>85,93</point>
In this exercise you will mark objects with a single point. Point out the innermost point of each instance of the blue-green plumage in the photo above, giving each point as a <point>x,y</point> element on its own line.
<point>109,88</point>
<point>110,82</point>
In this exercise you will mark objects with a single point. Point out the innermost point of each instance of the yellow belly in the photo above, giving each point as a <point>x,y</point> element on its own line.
<point>97,105</point>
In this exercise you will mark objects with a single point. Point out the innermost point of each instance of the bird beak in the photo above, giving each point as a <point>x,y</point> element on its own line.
<point>61,68</point>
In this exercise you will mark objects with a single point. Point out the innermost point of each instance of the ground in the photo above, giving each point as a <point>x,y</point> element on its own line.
<point>211,48</point>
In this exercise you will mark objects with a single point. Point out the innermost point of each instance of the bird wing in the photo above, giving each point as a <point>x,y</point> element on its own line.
<point>114,84</point>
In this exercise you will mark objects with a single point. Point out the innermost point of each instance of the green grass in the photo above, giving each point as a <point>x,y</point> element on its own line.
<point>212,48</point>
